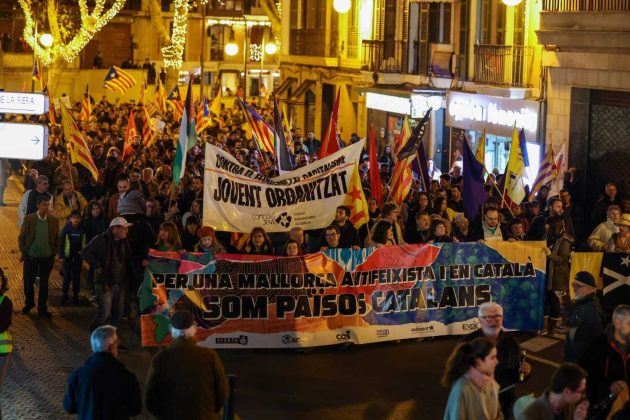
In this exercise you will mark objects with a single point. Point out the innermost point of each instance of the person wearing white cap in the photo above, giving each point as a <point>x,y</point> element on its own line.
<point>109,255</point>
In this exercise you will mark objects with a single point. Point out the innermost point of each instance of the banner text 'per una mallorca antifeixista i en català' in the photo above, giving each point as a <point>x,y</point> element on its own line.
<point>343,295</point>
<point>238,199</point>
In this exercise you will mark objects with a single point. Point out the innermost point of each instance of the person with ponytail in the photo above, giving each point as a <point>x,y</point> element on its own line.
<point>470,372</point>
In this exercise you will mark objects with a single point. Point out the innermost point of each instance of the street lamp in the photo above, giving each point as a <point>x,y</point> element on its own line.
<point>342,6</point>
<point>231,48</point>
<point>511,2</point>
<point>271,48</point>
<point>46,40</point>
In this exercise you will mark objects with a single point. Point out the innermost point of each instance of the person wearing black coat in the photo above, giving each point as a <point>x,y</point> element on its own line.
<point>103,388</point>
<point>601,207</point>
<point>606,359</point>
<point>349,234</point>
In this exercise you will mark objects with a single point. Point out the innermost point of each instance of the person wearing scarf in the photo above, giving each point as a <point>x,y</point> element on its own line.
<point>470,374</point>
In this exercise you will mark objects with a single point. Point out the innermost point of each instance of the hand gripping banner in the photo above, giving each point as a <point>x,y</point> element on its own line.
<point>238,199</point>
<point>364,296</point>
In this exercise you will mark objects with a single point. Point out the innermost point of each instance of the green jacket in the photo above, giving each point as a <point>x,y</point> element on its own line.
<point>27,233</point>
<point>186,381</point>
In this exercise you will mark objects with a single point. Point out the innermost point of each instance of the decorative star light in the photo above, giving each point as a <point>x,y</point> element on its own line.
<point>625,261</point>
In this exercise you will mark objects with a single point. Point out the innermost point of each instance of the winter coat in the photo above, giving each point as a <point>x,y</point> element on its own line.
<point>27,234</point>
<point>558,264</point>
<point>601,235</point>
<point>132,202</point>
<point>99,253</point>
<point>95,227</point>
<point>63,206</point>
<point>540,410</point>
<point>186,381</point>
<point>467,402</point>
<point>103,388</point>
<point>605,364</point>
<point>586,323</point>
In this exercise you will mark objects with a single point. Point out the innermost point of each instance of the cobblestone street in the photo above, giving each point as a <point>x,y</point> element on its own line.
<point>46,350</point>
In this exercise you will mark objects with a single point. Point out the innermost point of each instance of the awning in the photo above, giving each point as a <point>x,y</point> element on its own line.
<point>306,85</point>
<point>284,85</point>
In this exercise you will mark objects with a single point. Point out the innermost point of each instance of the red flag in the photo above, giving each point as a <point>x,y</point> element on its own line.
<point>331,143</point>
<point>375,176</point>
<point>132,131</point>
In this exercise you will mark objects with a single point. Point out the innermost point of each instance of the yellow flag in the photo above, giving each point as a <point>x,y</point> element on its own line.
<point>480,153</point>
<point>215,108</point>
<point>515,172</point>
<point>586,261</point>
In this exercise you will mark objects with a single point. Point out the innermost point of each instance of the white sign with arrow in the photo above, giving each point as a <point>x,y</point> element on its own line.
<point>23,141</point>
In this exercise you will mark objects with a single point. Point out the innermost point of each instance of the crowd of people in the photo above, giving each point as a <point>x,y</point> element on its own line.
<point>111,222</point>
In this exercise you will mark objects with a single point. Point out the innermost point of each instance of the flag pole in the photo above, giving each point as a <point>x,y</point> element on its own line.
<point>503,200</point>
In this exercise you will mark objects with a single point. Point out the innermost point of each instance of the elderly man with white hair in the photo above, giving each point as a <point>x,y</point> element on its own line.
<point>186,381</point>
<point>510,367</point>
<point>103,388</point>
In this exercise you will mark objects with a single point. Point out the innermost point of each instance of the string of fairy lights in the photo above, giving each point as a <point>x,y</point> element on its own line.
<point>91,23</point>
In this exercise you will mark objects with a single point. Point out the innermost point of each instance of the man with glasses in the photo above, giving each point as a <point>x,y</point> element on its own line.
<point>562,401</point>
<point>109,255</point>
<point>509,352</point>
<point>587,320</point>
<point>331,235</point>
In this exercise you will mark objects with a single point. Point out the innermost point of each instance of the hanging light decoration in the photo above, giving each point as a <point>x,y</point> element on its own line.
<point>91,23</point>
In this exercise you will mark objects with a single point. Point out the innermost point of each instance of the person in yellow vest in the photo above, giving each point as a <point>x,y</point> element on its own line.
<point>6,342</point>
<point>68,201</point>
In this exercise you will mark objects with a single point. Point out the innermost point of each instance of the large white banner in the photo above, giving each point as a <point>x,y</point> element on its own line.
<point>238,199</point>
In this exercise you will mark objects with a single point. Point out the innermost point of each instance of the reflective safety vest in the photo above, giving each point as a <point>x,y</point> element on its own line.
<point>6,342</point>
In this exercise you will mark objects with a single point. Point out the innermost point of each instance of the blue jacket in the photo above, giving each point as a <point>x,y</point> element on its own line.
<point>103,388</point>
<point>72,241</point>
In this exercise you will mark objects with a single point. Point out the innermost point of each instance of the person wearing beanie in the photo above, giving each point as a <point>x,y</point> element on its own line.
<point>186,381</point>
<point>208,241</point>
<point>587,320</point>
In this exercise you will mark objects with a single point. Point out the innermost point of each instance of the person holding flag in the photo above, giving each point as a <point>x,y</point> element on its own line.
<point>86,105</point>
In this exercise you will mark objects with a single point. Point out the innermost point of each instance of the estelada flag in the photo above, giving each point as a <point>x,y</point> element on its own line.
<point>616,280</point>
<point>355,200</point>
<point>79,152</point>
<point>176,102</point>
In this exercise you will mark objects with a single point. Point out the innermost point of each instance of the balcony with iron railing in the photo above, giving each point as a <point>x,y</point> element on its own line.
<point>507,66</point>
<point>385,56</point>
<point>584,5</point>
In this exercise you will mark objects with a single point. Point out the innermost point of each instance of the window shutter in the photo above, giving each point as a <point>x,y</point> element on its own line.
<point>423,43</point>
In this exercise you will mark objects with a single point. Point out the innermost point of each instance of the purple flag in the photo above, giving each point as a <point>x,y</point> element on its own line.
<point>474,194</point>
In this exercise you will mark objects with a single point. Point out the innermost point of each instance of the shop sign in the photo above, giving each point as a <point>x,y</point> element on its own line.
<point>495,115</point>
<point>388,103</point>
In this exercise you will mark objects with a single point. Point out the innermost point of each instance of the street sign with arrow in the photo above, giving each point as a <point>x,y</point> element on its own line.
<point>23,141</point>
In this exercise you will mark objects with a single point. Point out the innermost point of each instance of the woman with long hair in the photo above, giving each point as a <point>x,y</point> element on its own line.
<point>470,374</point>
<point>168,238</point>
<point>388,158</point>
<point>164,192</point>
<point>383,234</point>
<point>196,209</point>
<point>558,250</point>
<point>258,243</point>
<point>189,235</point>
<point>422,203</point>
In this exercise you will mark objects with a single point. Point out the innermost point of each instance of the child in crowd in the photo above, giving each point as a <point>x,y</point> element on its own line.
<point>72,242</point>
